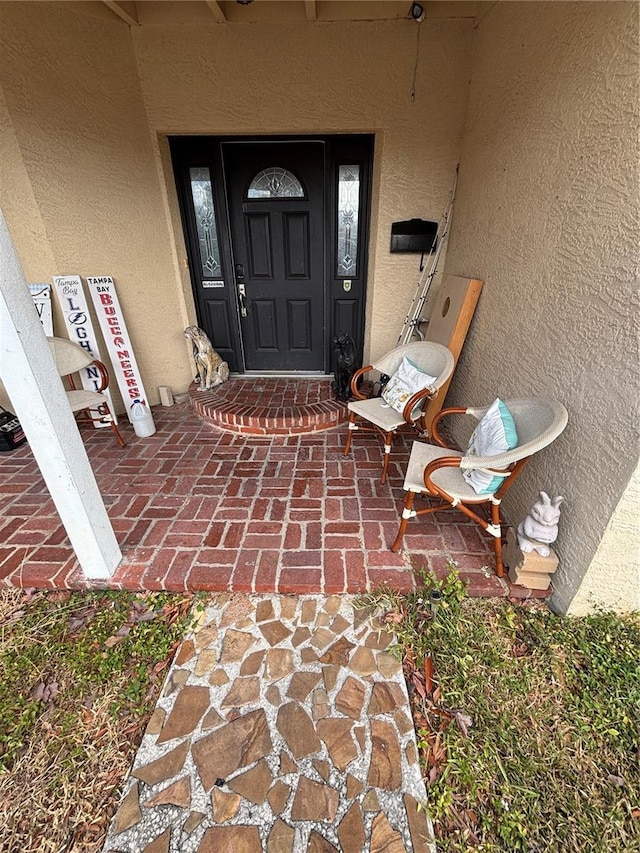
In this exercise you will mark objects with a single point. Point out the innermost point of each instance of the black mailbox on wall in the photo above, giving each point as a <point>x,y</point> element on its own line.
<point>414,235</point>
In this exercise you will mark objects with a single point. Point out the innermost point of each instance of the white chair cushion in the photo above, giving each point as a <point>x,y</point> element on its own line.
<point>449,480</point>
<point>79,400</point>
<point>377,412</point>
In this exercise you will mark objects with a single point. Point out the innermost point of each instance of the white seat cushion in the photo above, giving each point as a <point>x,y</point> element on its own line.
<point>377,412</point>
<point>449,480</point>
<point>79,400</point>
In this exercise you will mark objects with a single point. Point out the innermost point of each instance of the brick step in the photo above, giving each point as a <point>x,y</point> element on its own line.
<point>270,406</point>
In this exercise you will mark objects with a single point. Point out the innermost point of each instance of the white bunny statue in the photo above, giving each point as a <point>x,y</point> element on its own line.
<point>540,527</point>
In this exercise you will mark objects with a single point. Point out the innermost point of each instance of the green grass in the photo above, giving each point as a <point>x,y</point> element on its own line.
<point>79,675</point>
<point>551,759</point>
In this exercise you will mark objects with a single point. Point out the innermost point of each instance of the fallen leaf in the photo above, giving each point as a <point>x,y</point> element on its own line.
<point>60,596</point>
<point>112,641</point>
<point>81,618</point>
<point>147,616</point>
<point>438,753</point>
<point>616,780</point>
<point>45,692</point>
<point>428,673</point>
<point>51,691</point>
<point>417,683</point>
<point>38,692</point>
<point>87,715</point>
<point>420,721</point>
<point>464,722</point>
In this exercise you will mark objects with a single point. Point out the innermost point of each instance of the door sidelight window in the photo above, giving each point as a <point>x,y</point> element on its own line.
<point>204,209</point>
<point>347,214</point>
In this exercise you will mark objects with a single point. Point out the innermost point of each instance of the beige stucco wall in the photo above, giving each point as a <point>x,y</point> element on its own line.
<point>348,77</point>
<point>19,205</point>
<point>90,120</point>
<point>74,101</point>
<point>612,580</point>
<point>547,214</point>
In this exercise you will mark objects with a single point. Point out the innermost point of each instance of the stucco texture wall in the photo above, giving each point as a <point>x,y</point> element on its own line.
<point>90,117</point>
<point>547,214</point>
<point>19,205</point>
<point>342,77</point>
<point>88,173</point>
<point>612,580</point>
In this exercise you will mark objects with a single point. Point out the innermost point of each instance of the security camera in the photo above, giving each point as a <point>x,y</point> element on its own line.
<point>417,12</point>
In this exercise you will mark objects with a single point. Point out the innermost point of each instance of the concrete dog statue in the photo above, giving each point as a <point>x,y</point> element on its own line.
<point>212,370</point>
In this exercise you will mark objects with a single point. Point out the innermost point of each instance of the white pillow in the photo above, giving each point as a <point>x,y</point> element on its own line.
<point>405,382</point>
<point>495,433</point>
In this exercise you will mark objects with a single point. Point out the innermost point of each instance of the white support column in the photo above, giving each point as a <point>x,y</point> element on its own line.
<point>37,395</point>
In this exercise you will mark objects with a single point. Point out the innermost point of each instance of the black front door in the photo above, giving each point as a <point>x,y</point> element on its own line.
<point>275,194</point>
<point>276,232</point>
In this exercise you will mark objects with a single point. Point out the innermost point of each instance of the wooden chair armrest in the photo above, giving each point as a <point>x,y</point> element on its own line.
<point>412,402</point>
<point>356,378</point>
<point>435,435</point>
<point>104,374</point>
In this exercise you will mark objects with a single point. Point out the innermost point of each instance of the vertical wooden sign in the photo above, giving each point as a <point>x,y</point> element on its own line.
<point>117,340</point>
<point>41,295</point>
<point>75,309</point>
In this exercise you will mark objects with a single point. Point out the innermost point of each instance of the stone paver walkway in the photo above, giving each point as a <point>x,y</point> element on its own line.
<point>284,726</point>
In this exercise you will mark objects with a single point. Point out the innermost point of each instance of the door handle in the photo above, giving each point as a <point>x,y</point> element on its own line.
<point>242,297</point>
<point>242,291</point>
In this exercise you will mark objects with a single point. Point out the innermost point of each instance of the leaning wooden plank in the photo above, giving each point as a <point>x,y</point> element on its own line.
<point>451,317</point>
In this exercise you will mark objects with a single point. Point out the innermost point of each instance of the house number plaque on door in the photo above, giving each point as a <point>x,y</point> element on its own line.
<point>346,285</point>
<point>213,283</point>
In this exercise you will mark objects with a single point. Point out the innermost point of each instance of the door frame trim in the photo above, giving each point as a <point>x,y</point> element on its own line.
<point>207,151</point>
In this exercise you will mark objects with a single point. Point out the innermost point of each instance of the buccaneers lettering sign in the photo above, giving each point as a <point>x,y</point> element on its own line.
<point>117,340</point>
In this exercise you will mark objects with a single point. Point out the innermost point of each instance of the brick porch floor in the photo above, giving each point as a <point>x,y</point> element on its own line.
<point>196,507</point>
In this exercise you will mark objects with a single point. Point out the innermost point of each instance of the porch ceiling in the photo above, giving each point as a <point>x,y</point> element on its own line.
<point>152,13</point>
